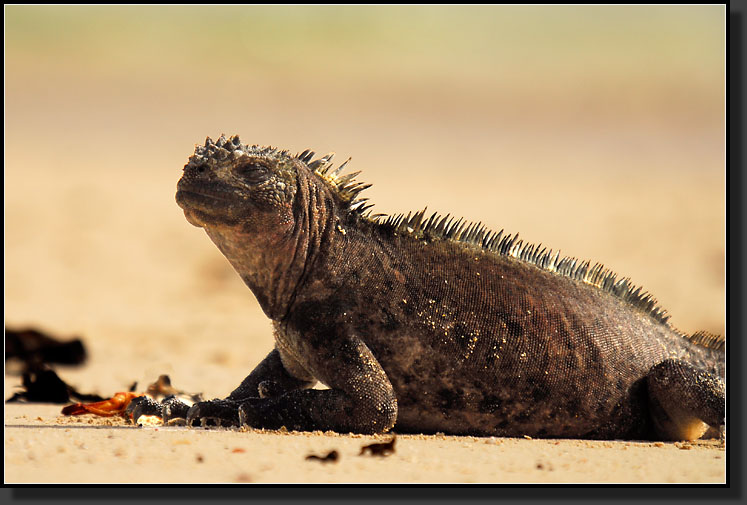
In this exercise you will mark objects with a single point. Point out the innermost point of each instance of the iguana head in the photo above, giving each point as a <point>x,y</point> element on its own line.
<point>226,183</point>
<point>266,210</point>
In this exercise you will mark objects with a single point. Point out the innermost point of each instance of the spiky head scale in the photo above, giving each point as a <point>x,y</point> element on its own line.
<point>215,154</point>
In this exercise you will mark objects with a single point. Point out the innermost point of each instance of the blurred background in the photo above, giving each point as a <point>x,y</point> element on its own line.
<point>596,130</point>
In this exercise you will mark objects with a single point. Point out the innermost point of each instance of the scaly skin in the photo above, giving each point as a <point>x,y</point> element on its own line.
<point>433,326</point>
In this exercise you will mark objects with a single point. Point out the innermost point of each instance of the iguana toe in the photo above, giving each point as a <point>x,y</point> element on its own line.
<point>213,413</point>
<point>174,411</point>
<point>142,406</point>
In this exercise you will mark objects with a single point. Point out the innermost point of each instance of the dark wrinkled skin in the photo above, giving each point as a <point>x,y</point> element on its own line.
<point>426,334</point>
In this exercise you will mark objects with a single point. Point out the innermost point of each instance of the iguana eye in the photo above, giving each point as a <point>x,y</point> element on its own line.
<point>252,172</point>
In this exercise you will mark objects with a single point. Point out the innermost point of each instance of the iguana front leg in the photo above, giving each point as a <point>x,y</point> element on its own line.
<point>360,399</point>
<point>684,401</point>
<point>270,377</point>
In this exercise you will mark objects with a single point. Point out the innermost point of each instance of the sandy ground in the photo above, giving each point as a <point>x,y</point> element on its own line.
<point>611,151</point>
<point>39,443</point>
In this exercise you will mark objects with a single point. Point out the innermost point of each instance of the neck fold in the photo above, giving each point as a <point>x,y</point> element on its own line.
<point>273,263</point>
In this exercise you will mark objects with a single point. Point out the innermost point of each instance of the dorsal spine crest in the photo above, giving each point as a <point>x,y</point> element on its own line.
<point>476,234</point>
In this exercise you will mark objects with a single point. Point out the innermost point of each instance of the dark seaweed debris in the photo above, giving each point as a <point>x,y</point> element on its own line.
<point>380,449</point>
<point>33,347</point>
<point>332,456</point>
<point>42,384</point>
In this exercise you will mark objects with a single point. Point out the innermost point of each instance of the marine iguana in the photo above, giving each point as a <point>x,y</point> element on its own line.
<point>431,324</point>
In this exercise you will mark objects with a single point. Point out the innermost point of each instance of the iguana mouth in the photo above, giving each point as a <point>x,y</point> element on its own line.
<point>190,198</point>
<point>203,194</point>
<point>209,202</point>
<point>201,209</point>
